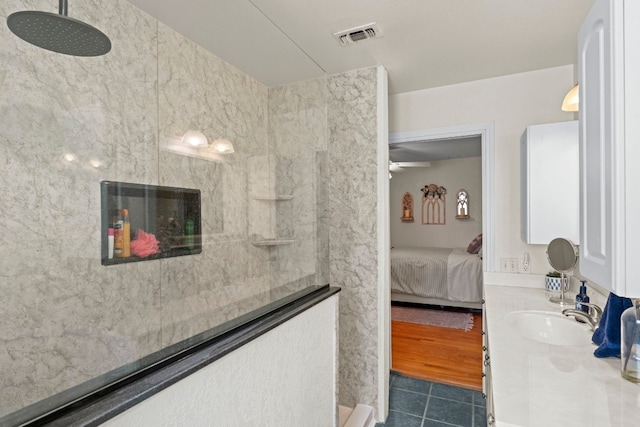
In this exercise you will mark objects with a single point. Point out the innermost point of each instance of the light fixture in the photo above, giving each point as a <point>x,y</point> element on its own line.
<point>195,138</point>
<point>571,100</point>
<point>70,157</point>
<point>222,146</point>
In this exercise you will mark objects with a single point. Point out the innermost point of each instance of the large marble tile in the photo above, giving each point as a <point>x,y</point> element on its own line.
<point>352,151</point>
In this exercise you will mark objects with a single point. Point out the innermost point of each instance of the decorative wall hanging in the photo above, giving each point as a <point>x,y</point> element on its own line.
<point>407,208</point>
<point>462,205</point>
<point>433,205</point>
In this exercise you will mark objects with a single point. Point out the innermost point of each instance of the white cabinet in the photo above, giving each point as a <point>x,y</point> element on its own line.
<point>609,117</point>
<point>549,183</point>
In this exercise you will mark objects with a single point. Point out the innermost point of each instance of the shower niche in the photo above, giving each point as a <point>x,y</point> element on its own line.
<point>168,217</point>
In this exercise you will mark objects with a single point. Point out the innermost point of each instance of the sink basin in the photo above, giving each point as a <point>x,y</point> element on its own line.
<point>549,328</point>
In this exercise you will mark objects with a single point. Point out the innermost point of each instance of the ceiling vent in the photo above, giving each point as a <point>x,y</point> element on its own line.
<point>357,34</point>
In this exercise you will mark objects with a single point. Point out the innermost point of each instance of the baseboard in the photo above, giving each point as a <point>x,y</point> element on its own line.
<point>361,416</point>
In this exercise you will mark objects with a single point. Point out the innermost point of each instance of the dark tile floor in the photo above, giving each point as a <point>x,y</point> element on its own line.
<point>417,403</point>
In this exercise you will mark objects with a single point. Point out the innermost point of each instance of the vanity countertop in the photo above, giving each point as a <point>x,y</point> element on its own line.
<point>538,384</point>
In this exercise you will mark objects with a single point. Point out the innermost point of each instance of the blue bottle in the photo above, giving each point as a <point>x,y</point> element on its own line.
<point>582,297</point>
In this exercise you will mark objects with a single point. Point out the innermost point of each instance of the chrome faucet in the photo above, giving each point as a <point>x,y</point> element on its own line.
<point>592,317</point>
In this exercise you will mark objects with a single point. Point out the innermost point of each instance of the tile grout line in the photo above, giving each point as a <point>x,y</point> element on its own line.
<point>473,414</point>
<point>426,406</point>
<point>474,403</point>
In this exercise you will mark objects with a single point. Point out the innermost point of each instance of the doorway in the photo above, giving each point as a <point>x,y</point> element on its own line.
<point>485,131</point>
<point>485,134</point>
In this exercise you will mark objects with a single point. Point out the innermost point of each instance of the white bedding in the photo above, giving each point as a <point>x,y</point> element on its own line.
<point>450,274</point>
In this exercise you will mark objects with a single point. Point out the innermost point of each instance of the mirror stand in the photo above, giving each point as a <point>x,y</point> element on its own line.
<point>562,299</point>
<point>563,257</point>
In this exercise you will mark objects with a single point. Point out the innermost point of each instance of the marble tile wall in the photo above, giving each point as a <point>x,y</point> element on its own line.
<point>298,139</point>
<point>69,123</point>
<point>66,318</point>
<point>352,164</point>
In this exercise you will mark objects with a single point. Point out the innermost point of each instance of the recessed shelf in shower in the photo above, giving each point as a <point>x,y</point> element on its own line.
<point>161,211</point>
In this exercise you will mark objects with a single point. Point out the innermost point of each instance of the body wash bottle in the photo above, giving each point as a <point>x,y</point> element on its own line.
<point>126,234</point>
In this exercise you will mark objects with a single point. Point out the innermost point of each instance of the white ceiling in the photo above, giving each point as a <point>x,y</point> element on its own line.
<point>438,149</point>
<point>425,43</point>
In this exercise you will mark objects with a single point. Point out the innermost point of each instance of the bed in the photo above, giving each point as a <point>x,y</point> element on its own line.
<point>440,276</point>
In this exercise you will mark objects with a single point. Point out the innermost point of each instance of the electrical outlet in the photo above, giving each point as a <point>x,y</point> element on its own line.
<point>513,265</point>
<point>525,264</point>
<point>509,265</point>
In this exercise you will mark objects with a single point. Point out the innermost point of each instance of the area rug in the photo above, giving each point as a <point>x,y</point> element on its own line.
<point>427,316</point>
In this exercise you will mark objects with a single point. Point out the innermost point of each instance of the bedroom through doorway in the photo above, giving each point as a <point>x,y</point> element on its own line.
<point>436,258</point>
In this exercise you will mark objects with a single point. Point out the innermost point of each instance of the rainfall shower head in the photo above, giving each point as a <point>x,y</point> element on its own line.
<point>59,33</point>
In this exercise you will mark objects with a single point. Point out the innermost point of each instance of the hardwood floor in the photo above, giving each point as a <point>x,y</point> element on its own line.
<point>444,355</point>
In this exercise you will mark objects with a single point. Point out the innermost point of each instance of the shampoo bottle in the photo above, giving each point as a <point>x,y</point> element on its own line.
<point>582,297</point>
<point>118,236</point>
<point>126,234</point>
<point>122,234</point>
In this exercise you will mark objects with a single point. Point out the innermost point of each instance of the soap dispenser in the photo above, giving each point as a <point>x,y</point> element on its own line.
<point>582,297</point>
<point>630,342</point>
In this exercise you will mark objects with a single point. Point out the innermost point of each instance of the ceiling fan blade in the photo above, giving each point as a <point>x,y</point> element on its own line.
<point>413,164</point>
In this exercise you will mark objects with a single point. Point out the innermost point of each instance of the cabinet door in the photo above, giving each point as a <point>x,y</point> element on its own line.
<point>632,148</point>
<point>596,148</point>
<point>609,78</point>
<point>550,183</point>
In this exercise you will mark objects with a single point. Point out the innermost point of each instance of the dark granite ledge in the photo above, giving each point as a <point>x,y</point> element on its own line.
<point>97,409</point>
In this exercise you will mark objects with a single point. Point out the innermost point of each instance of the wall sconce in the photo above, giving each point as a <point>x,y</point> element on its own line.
<point>195,138</point>
<point>407,207</point>
<point>194,143</point>
<point>222,146</point>
<point>571,101</point>
<point>462,205</point>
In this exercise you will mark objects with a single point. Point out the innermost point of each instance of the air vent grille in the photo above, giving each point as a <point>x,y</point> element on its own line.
<point>357,34</point>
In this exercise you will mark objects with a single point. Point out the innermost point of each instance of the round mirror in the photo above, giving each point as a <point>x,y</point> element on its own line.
<point>562,255</point>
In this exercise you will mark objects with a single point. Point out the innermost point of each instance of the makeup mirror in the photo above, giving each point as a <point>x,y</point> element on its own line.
<point>562,254</point>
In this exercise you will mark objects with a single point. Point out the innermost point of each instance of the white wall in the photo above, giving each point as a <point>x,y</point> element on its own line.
<point>286,377</point>
<point>453,174</point>
<point>512,103</point>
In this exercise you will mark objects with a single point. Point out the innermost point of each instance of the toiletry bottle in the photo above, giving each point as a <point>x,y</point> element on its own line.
<point>110,242</point>
<point>630,342</point>
<point>126,234</point>
<point>118,236</point>
<point>189,230</point>
<point>582,297</point>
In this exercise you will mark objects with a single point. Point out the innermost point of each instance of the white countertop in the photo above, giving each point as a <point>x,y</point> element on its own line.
<point>538,384</point>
